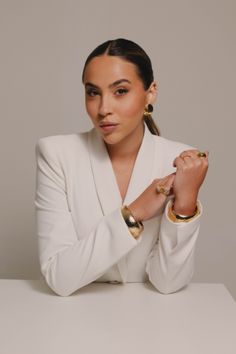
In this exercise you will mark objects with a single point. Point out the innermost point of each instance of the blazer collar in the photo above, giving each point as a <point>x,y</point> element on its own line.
<point>104,177</point>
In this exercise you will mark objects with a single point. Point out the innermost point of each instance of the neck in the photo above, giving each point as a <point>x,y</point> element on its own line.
<point>128,147</point>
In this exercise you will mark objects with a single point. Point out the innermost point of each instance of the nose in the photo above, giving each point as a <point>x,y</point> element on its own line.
<point>104,107</point>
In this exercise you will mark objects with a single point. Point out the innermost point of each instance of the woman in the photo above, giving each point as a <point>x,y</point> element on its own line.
<point>118,203</point>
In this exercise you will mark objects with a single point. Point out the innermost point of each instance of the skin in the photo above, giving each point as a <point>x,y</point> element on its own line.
<point>115,104</point>
<point>119,96</point>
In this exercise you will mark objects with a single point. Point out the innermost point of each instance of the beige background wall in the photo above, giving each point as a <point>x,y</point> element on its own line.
<point>44,44</point>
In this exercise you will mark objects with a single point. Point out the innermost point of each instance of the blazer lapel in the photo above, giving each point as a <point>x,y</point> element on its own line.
<point>103,174</point>
<point>143,171</point>
<point>105,181</point>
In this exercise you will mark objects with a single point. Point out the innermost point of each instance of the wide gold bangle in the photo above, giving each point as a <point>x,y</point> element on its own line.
<point>182,218</point>
<point>135,227</point>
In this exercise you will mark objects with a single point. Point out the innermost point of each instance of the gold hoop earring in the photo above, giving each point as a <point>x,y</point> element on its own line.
<point>148,111</point>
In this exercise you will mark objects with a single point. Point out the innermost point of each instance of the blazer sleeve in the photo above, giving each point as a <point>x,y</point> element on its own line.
<point>170,264</point>
<point>67,262</point>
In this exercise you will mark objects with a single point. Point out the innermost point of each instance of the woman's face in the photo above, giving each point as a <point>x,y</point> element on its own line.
<point>115,97</point>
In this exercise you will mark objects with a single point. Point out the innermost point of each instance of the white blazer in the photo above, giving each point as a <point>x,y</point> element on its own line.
<point>82,235</point>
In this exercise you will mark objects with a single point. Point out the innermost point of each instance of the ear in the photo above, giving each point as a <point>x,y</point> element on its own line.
<point>152,93</point>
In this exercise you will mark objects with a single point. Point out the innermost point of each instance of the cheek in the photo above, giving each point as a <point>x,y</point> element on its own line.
<point>131,107</point>
<point>90,108</point>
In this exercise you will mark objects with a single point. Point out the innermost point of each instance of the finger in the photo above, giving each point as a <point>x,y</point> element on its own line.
<point>167,184</point>
<point>171,179</point>
<point>205,160</point>
<point>207,154</point>
<point>202,159</point>
<point>178,162</point>
<point>190,161</point>
<point>164,179</point>
<point>189,153</point>
<point>194,153</point>
<point>171,175</point>
<point>191,158</point>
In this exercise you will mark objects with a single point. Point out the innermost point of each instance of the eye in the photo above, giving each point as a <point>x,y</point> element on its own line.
<point>91,92</point>
<point>121,91</point>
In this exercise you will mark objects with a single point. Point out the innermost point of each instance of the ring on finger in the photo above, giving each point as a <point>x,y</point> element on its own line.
<point>201,154</point>
<point>162,190</point>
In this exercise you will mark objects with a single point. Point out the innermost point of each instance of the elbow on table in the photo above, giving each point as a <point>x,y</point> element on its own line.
<point>62,292</point>
<point>57,289</point>
<point>166,287</point>
<point>61,287</point>
<point>171,281</point>
<point>166,290</point>
<point>60,284</point>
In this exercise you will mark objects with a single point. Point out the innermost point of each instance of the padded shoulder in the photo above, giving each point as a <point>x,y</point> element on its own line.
<point>62,146</point>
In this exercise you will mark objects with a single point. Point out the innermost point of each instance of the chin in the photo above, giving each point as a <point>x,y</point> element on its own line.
<point>110,140</point>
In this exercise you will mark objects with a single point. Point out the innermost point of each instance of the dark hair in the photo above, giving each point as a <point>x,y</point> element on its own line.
<point>133,53</point>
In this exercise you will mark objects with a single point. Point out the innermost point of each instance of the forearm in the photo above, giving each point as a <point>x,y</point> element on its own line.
<point>71,264</point>
<point>170,265</point>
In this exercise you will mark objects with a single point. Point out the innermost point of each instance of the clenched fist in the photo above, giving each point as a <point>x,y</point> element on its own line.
<point>190,174</point>
<point>149,203</point>
<point>184,184</point>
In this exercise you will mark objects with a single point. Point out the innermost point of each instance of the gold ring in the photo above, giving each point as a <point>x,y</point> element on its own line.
<point>162,190</point>
<point>201,154</point>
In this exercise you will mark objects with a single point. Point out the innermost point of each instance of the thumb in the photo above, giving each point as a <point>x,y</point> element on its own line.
<point>170,180</point>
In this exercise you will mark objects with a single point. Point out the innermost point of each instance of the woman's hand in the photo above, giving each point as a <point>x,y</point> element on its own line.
<point>184,184</point>
<point>150,203</point>
<point>190,174</point>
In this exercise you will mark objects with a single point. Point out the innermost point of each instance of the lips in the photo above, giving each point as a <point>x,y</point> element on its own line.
<point>108,127</point>
<point>107,124</point>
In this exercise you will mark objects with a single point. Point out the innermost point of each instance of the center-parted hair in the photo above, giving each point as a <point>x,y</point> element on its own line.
<point>133,53</point>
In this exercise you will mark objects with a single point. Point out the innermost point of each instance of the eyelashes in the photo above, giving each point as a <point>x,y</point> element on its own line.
<point>119,92</point>
<point>91,92</point>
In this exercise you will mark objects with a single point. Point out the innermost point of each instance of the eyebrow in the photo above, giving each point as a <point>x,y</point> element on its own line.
<point>116,83</point>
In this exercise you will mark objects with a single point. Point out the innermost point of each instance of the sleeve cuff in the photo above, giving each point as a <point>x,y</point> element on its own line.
<point>171,217</point>
<point>127,231</point>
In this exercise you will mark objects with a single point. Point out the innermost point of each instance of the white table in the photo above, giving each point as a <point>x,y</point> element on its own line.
<point>116,319</point>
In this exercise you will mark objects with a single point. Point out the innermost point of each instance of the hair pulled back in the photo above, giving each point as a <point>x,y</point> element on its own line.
<point>133,53</point>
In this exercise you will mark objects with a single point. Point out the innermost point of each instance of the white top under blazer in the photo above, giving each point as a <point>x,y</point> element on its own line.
<point>82,236</point>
